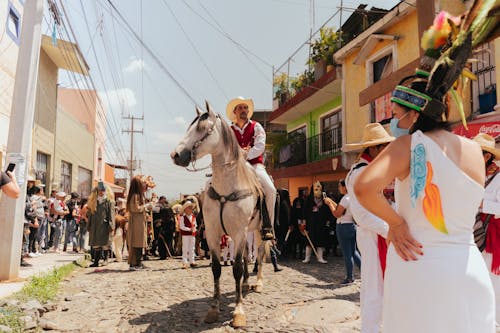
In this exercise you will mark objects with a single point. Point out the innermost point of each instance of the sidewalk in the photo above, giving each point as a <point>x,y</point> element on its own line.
<point>41,264</point>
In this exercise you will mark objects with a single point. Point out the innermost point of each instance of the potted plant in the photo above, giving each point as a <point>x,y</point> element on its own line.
<point>280,86</point>
<point>322,50</point>
<point>301,81</point>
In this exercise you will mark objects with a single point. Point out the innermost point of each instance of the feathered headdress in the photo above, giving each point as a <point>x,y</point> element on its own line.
<point>448,44</point>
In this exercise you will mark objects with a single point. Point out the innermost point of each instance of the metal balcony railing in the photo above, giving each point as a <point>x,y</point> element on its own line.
<point>299,150</point>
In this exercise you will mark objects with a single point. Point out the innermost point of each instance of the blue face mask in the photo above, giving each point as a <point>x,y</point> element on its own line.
<point>395,130</point>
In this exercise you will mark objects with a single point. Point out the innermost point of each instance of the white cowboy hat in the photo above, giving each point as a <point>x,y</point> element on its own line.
<point>188,204</point>
<point>487,143</point>
<point>235,102</point>
<point>374,134</point>
<point>177,208</point>
<point>61,194</point>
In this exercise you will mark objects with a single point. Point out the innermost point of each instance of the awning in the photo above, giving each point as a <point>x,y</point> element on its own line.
<point>65,55</point>
<point>489,124</point>
<point>114,187</point>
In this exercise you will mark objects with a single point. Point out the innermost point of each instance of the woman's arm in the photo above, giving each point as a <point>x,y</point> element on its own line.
<point>337,210</point>
<point>393,162</point>
<point>11,189</point>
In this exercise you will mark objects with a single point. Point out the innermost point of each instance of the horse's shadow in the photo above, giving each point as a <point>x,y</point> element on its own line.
<point>187,316</point>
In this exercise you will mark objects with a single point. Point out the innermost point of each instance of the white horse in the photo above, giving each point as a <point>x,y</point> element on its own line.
<point>232,202</point>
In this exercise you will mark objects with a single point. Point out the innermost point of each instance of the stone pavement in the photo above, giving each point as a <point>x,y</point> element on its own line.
<point>41,264</point>
<point>167,298</point>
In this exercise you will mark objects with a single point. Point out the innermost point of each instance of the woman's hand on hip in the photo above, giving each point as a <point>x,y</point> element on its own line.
<point>407,247</point>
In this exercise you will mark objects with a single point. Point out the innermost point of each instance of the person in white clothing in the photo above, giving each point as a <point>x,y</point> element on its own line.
<point>346,231</point>
<point>251,137</point>
<point>187,228</point>
<point>490,211</point>
<point>372,230</point>
<point>227,247</point>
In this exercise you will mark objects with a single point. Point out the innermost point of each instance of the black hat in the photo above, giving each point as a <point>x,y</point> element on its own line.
<point>74,195</point>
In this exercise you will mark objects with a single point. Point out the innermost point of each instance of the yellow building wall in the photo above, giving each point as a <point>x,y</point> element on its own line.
<point>74,145</point>
<point>356,76</point>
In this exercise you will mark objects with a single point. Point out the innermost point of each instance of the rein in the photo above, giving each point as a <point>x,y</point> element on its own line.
<point>235,196</point>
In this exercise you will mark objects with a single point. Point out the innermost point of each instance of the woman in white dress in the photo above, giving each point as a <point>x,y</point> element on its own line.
<point>436,279</point>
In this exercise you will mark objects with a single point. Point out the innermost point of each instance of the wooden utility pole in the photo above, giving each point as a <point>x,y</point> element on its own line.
<point>132,131</point>
<point>20,137</point>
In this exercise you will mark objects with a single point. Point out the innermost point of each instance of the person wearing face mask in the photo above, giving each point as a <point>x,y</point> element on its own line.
<point>317,216</point>
<point>371,232</point>
<point>101,221</point>
<point>396,130</point>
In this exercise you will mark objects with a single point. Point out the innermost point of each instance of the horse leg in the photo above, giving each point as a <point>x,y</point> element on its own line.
<point>213,312</point>
<point>245,286</point>
<point>260,260</point>
<point>239,317</point>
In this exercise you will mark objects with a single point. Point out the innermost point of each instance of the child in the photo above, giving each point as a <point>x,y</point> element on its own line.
<point>187,228</point>
<point>227,247</point>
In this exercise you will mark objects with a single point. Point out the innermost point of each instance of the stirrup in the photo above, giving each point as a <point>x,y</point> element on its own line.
<point>267,235</point>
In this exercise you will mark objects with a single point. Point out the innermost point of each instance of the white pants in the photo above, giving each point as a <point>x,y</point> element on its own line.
<point>188,243</point>
<point>495,280</point>
<point>118,244</point>
<point>251,246</point>
<point>372,282</point>
<point>268,187</point>
<point>229,249</point>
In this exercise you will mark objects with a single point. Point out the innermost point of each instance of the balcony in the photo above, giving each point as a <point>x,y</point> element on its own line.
<point>298,151</point>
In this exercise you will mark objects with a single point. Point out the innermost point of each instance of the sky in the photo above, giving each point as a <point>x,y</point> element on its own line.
<point>215,50</point>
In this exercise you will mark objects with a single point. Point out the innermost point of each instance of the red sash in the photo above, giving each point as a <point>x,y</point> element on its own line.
<point>493,243</point>
<point>382,252</point>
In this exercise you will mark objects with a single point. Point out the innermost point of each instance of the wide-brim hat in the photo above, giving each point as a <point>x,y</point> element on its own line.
<point>61,194</point>
<point>235,102</point>
<point>188,204</point>
<point>373,134</point>
<point>487,143</point>
<point>177,208</point>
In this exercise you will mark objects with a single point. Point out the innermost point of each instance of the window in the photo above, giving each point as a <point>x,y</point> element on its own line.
<point>331,132</point>
<point>13,25</point>
<point>84,181</point>
<point>42,168</point>
<point>294,153</point>
<point>382,68</point>
<point>65,177</point>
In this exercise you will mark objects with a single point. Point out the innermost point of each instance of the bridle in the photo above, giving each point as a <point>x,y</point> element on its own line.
<point>198,143</point>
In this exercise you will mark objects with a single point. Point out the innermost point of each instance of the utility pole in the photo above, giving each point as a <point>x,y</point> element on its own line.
<point>20,137</point>
<point>132,131</point>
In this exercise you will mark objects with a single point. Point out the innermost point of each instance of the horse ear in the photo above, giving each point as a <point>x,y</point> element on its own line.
<point>209,109</point>
<point>198,111</point>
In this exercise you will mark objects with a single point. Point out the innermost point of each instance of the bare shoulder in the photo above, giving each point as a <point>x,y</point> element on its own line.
<point>470,159</point>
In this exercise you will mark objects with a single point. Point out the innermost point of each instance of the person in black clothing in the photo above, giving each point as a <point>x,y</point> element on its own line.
<point>163,228</point>
<point>296,241</point>
<point>71,226</point>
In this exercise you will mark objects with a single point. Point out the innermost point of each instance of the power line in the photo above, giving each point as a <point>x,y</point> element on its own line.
<point>195,49</point>
<point>152,54</point>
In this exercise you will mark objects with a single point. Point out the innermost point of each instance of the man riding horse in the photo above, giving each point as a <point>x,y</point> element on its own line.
<point>252,138</point>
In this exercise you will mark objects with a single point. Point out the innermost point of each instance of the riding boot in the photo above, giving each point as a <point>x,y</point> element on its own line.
<point>274,260</point>
<point>97,256</point>
<point>307,259</point>
<point>320,256</point>
<point>267,226</point>
<point>106,254</point>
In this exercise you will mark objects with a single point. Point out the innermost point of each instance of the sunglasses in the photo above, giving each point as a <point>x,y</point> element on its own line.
<point>410,98</point>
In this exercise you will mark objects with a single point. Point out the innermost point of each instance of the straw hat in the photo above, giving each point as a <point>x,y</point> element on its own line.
<point>61,194</point>
<point>487,143</point>
<point>374,134</point>
<point>235,102</point>
<point>188,204</point>
<point>177,208</point>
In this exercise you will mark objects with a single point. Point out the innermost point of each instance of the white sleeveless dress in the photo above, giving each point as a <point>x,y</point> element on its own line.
<point>448,289</point>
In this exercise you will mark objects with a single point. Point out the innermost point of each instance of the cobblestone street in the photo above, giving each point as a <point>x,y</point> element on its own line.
<point>167,298</point>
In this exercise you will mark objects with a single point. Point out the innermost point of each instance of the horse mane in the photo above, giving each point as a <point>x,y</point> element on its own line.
<point>233,149</point>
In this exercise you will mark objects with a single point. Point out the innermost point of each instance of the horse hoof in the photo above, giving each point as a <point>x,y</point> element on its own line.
<point>245,288</point>
<point>257,288</point>
<point>239,320</point>
<point>212,316</point>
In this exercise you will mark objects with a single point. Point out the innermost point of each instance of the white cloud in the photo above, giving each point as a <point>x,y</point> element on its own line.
<point>135,65</point>
<point>121,99</point>
<point>180,120</point>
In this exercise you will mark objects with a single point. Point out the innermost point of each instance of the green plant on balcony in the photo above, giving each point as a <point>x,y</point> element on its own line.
<point>322,50</point>
<point>301,81</point>
<point>280,85</point>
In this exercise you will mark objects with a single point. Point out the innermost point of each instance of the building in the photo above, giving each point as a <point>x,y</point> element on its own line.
<point>63,142</point>
<point>314,116</point>
<point>11,16</point>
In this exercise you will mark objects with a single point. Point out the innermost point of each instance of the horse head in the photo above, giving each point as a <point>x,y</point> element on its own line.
<point>201,138</point>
